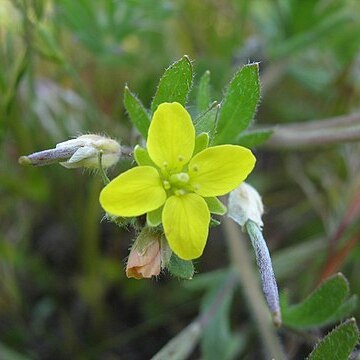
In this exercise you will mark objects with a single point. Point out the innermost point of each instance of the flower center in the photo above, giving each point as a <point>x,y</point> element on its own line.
<point>177,184</point>
<point>179,179</point>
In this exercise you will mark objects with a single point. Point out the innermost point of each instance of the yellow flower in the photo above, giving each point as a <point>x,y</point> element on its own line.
<point>177,181</point>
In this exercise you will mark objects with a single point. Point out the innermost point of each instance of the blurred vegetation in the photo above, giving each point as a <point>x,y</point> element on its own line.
<point>63,67</point>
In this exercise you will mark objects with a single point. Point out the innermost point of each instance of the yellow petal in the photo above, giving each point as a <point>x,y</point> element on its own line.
<point>133,193</point>
<point>171,137</point>
<point>217,170</point>
<point>186,223</point>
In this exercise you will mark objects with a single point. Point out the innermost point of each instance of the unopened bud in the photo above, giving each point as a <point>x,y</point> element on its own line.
<point>145,256</point>
<point>266,271</point>
<point>80,152</point>
<point>246,208</point>
<point>245,204</point>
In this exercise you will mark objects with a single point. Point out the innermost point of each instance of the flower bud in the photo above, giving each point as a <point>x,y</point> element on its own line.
<point>245,204</point>
<point>266,271</point>
<point>80,152</point>
<point>145,256</point>
<point>246,208</point>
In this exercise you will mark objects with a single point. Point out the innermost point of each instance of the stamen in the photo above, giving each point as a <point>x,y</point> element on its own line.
<point>166,185</point>
<point>180,192</point>
<point>180,179</point>
<point>183,177</point>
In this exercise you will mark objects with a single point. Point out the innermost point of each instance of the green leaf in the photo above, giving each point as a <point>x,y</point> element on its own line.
<point>10,354</point>
<point>180,346</point>
<point>323,30</point>
<point>215,206</point>
<point>345,310</point>
<point>137,113</point>
<point>49,47</point>
<point>153,218</point>
<point>175,84</point>
<point>142,157</point>
<point>203,92</point>
<point>207,280</point>
<point>338,344</point>
<point>319,307</point>
<point>183,269</point>
<point>8,99</point>
<point>201,142</point>
<point>253,138</point>
<point>288,261</point>
<point>218,341</point>
<point>206,122</point>
<point>239,105</point>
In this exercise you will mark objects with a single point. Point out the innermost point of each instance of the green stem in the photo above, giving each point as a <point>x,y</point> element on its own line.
<point>103,175</point>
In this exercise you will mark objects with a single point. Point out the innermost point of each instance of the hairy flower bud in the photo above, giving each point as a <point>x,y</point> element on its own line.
<point>266,271</point>
<point>245,204</point>
<point>246,208</point>
<point>82,151</point>
<point>145,256</point>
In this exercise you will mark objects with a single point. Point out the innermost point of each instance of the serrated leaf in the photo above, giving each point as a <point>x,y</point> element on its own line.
<point>206,122</point>
<point>319,306</point>
<point>239,104</point>
<point>215,206</point>
<point>203,92</point>
<point>183,269</point>
<point>137,113</point>
<point>175,84</point>
<point>253,138</point>
<point>338,344</point>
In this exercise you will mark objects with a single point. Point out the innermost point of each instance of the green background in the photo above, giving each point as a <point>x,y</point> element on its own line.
<point>63,68</point>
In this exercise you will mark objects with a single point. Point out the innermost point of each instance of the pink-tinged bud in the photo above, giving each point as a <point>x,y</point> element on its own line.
<point>144,261</point>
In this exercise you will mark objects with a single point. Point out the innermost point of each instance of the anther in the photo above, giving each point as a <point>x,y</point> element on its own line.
<point>183,177</point>
<point>166,184</point>
<point>180,192</point>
